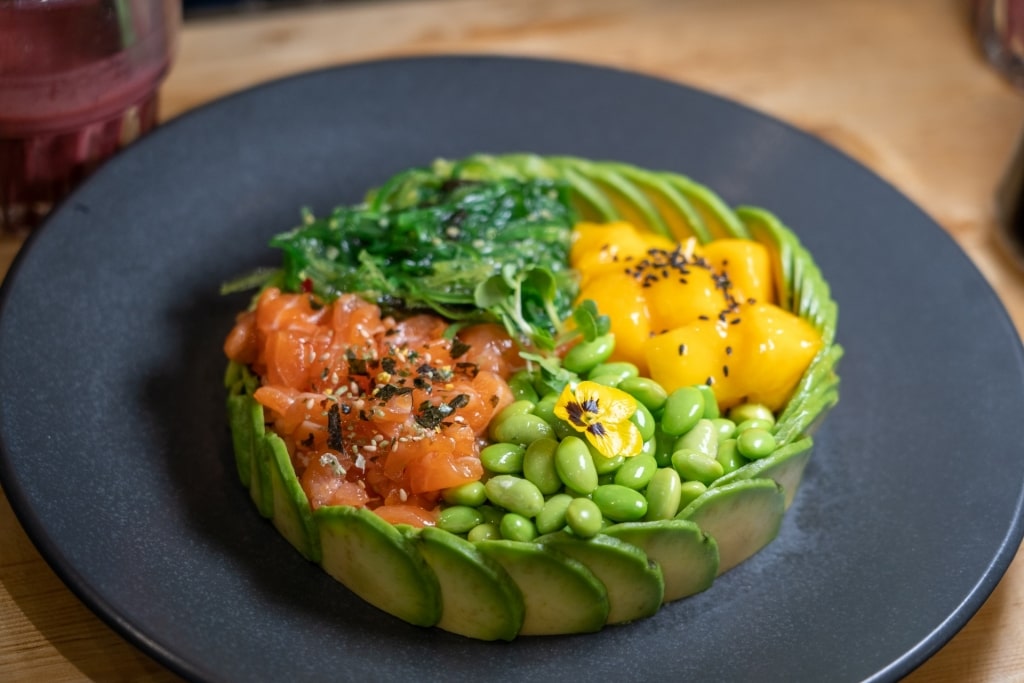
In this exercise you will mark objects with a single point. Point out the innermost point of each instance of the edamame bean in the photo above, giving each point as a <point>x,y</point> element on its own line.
<point>724,428</point>
<point>695,466</point>
<point>606,478</point>
<point>644,421</point>
<point>563,429</point>
<point>620,369</point>
<point>522,407</point>
<point>484,532</point>
<point>755,443</point>
<point>663,494</point>
<point>552,517</point>
<point>729,456</point>
<point>522,387</point>
<point>664,447</point>
<point>575,465</point>
<point>522,429</point>
<point>703,438</point>
<point>620,503</point>
<point>690,491</point>
<point>636,472</point>
<point>606,380</point>
<point>515,527</point>
<point>492,515</point>
<point>602,463</point>
<point>753,424</point>
<point>503,458</point>
<point>645,390</point>
<point>515,494</point>
<point>751,411</point>
<point>539,465</point>
<point>471,493</point>
<point>711,410</point>
<point>586,355</point>
<point>545,408</point>
<point>458,519</point>
<point>684,407</point>
<point>584,517</point>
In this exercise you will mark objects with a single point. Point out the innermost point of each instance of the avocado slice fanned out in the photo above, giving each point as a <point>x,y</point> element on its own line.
<point>785,466</point>
<point>292,515</point>
<point>688,557</point>
<point>634,583</point>
<point>559,593</point>
<point>742,517</point>
<point>478,598</point>
<point>378,563</point>
<point>243,432</point>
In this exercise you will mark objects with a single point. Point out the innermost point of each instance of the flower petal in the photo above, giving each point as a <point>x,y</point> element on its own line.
<point>615,438</point>
<point>568,408</point>
<point>614,405</point>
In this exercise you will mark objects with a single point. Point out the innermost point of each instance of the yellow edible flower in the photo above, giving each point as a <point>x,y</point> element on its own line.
<point>602,414</point>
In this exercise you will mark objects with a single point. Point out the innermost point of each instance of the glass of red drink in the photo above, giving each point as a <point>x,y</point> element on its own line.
<point>78,81</point>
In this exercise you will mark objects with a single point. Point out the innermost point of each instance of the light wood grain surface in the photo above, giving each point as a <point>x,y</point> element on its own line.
<point>900,86</point>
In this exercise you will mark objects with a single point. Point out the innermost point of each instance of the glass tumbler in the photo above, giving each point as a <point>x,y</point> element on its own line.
<point>78,82</point>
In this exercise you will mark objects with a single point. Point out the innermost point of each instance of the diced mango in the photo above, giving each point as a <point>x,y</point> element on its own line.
<point>688,355</point>
<point>621,298</point>
<point>673,303</point>
<point>689,314</point>
<point>599,248</point>
<point>748,265</point>
<point>775,347</point>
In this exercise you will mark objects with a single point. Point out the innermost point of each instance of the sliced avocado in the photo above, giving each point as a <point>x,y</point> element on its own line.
<point>816,392</point>
<point>292,514</point>
<point>587,198</point>
<point>688,557</point>
<point>242,433</point>
<point>676,211</point>
<point>259,475</point>
<point>785,466</point>
<point>634,583</point>
<point>742,517</point>
<point>378,563</point>
<point>560,595</point>
<point>478,598</point>
<point>764,227</point>
<point>716,215</point>
<point>629,202</point>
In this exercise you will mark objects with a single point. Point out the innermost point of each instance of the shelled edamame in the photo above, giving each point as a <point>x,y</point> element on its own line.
<point>542,476</point>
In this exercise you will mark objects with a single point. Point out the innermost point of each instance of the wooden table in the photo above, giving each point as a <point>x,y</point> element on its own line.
<point>899,86</point>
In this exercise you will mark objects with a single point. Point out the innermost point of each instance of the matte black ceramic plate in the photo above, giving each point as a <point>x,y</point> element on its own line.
<point>117,461</point>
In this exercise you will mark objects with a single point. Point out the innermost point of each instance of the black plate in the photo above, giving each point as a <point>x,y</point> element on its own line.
<point>116,457</point>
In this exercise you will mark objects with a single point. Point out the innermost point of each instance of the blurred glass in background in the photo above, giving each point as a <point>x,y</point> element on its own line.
<point>78,82</point>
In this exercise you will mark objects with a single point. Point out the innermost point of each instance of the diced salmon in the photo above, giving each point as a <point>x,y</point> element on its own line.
<point>383,403</point>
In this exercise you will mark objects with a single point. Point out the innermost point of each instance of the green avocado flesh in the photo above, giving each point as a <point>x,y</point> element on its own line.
<point>243,432</point>
<point>687,556</point>
<point>478,598</point>
<point>785,466</point>
<point>560,594</point>
<point>376,562</point>
<point>634,583</point>
<point>742,517</point>
<point>561,583</point>
<point>292,515</point>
